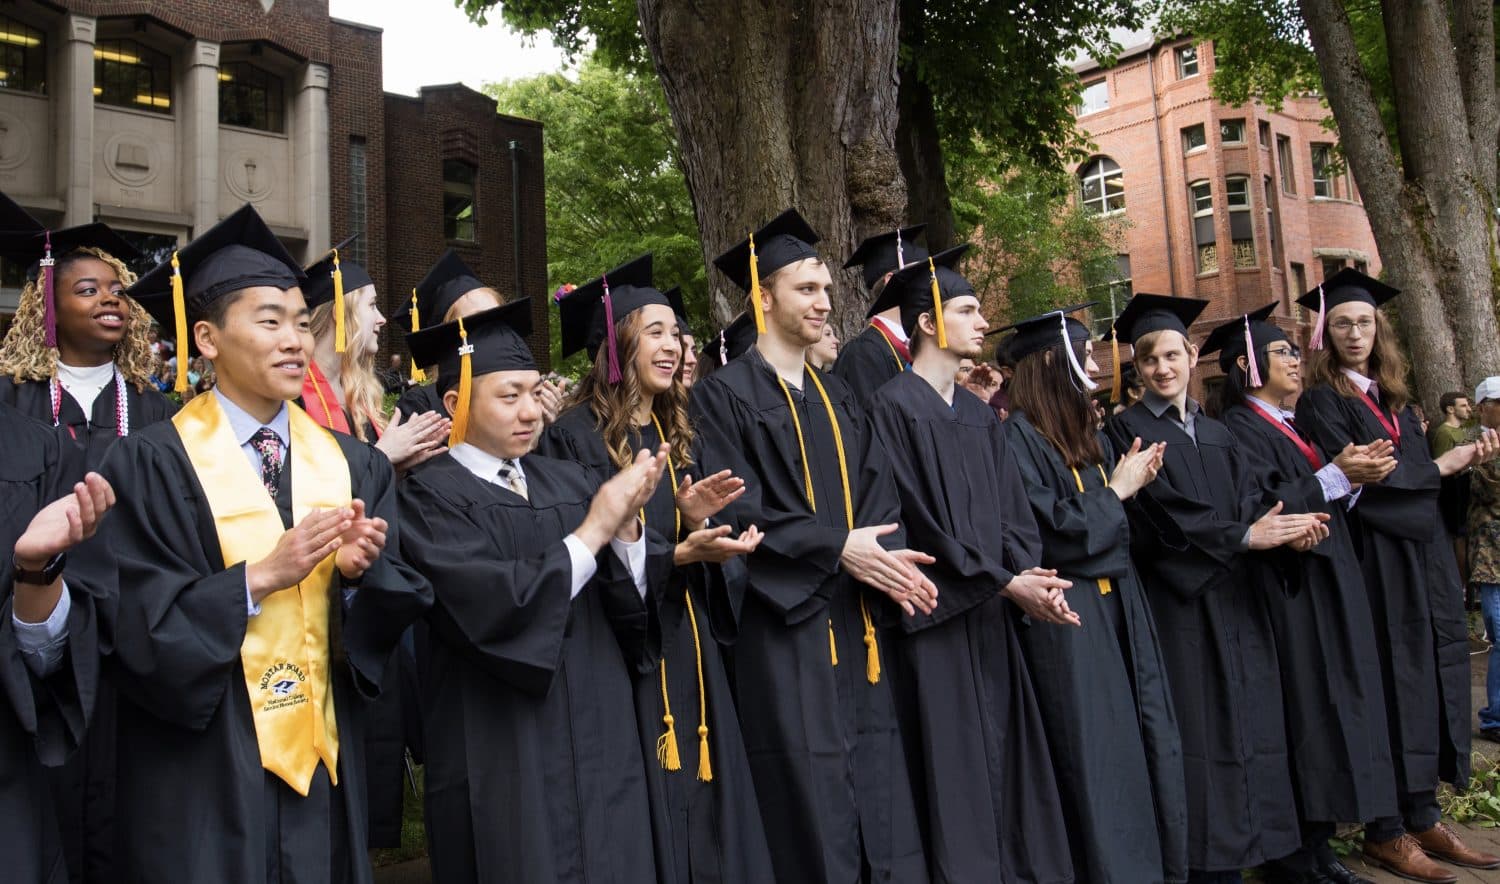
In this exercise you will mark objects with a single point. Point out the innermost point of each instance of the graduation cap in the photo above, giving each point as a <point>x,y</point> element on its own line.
<point>1245,335</point>
<point>328,279</point>
<point>921,286</point>
<point>235,254</point>
<point>486,342</point>
<point>1052,329</point>
<point>887,252</point>
<point>733,340</point>
<point>1147,313</point>
<point>674,297</point>
<point>1341,288</point>
<point>446,281</point>
<point>16,220</point>
<point>590,311</point>
<point>41,248</point>
<point>787,239</point>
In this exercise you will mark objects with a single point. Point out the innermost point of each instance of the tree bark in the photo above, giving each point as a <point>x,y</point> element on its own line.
<point>919,144</point>
<point>782,103</point>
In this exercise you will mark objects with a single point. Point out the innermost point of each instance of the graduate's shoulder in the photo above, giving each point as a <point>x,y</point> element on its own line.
<point>12,388</point>
<point>31,447</point>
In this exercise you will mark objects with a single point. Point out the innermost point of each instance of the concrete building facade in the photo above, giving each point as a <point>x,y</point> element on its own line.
<point>160,117</point>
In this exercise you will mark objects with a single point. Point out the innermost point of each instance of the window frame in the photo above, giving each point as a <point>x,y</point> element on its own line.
<point>1285,167</point>
<point>239,76</point>
<point>159,72</point>
<point>1083,106</point>
<point>1205,254</point>
<point>1185,56</point>
<point>453,229</point>
<point>1320,171</point>
<point>1232,121</point>
<point>1202,134</point>
<point>1102,177</point>
<point>31,57</point>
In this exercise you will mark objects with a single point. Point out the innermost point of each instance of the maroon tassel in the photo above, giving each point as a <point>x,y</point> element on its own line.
<point>609,325</point>
<point>1254,370</point>
<point>49,296</point>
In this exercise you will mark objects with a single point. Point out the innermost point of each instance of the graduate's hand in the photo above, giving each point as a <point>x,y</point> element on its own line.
<point>716,545</point>
<point>298,551</point>
<point>360,544</point>
<point>1039,593</point>
<point>1277,529</point>
<point>1137,468</point>
<point>549,396</point>
<point>64,523</point>
<point>702,500</point>
<point>419,438</point>
<point>892,572</point>
<point>617,504</point>
<point>1366,464</point>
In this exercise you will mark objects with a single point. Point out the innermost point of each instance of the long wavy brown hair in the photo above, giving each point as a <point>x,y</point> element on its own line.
<point>614,404</point>
<point>25,357</point>
<point>364,394</point>
<point>1387,366</point>
<point>1044,388</point>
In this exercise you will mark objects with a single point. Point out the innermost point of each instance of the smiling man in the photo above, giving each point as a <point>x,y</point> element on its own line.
<point>265,596</point>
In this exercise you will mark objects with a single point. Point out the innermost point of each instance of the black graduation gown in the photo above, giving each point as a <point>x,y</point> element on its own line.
<point>42,720</point>
<point>194,803</point>
<point>1102,686</point>
<point>420,400</point>
<point>975,742</point>
<point>1415,593</point>
<point>83,789</point>
<point>823,742</point>
<point>1215,630</point>
<point>865,363</point>
<point>703,831</point>
<point>1325,640</point>
<point>534,763</point>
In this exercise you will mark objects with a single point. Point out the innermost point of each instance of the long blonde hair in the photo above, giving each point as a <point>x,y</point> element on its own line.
<point>364,394</point>
<point>614,404</point>
<point>1387,366</point>
<point>24,355</point>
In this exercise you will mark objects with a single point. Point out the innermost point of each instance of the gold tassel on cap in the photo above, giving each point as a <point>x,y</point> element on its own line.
<point>942,342</point>
<point>755,296</point>
<point>1114,352</point>
<point>418,376</point>
<point>465,386</point>
<point>179,308</point>
<point>340,341</point>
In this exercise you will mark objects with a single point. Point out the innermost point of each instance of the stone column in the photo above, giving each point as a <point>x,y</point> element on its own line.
<point>199,122</point>
<point>310,158</point>
<point>75,119</point>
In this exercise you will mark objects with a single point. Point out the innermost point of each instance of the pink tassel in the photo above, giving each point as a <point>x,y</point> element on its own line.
<point>609,325</point>
<point>1254,372</point>
<point>49,295</point>
<point>1316,341</point>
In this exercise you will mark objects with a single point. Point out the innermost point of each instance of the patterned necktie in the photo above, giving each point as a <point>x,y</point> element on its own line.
<point>268,445</point>
<point>510,477</point>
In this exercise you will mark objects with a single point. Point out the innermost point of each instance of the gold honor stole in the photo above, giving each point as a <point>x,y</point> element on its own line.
<point>285,652</point>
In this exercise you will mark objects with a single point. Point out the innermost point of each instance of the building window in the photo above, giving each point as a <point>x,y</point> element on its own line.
<point>1194,138</point>
<point>1187,62</point>
<point>1332,266</point>
<point>1094,97</point>
<point>23,57</point>
<point>1284,161</point>
<point>1299,280</point>
<point>133,75</point>
<point>1362,267</point>
<point>1101,187</point>
<point>154,248</point>
<point>251,97</point>
<point>1241,220</point>
<point>458,200</point>
<point>1265,134</point>
<point>1205,239</point>
<point>1321,160</point>
<point>1113,295</point>
<point>1232,131</point>
<point>358,200</point>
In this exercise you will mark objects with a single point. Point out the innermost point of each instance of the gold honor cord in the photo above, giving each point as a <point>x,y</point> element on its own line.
<point>872,648</point>
<point>1105,587</point>
<point>666,746</point>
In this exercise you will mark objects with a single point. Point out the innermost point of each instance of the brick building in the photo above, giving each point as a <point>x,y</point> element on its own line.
<point>160,117</point>
<point>1238,205</point>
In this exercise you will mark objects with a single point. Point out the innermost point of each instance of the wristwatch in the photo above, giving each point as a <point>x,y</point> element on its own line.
<point>45,577</point>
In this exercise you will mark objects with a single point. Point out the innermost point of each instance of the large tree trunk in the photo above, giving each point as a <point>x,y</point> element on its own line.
<point>918,142</point>
<point>1428,215</point>
<point>778,103</point>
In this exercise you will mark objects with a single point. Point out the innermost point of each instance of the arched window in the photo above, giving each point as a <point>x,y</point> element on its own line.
<point>1101,186</point>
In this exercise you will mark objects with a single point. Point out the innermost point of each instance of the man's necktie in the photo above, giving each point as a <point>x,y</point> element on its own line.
<point>268,444</point>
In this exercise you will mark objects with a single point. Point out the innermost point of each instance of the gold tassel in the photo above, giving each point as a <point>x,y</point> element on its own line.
<point>179,307</point>
<point>705,769</point>
<point>833,645</point>
<point>418,376</point>
<point>1114,352</point>
<point>465,385</point>
<point>872,650</point>
<point>340,341</point>
<point>942,342</point>
<point>755,296</point>
<point>666,744</point>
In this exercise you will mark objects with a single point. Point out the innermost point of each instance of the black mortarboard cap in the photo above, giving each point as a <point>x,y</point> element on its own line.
<point>1038,333</point>
<point>1347,285</point>
<point>1147,313</point>
<point>910,288</point>
<point>887,252</point>
<point>787,239</point>
<point>587,311</point>
<point>26,241</point>
<point>674,297</point>
<point>15,221</point>
<point>732,341</point>
<point>498,336</point>
<point>319,288</point>
<point>446,281</point>
<point>1229,340</point>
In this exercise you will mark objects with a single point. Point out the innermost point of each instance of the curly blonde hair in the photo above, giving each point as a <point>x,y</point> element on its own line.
<point>614,404</point>
<point>364,395</point>
<point>24,355</point>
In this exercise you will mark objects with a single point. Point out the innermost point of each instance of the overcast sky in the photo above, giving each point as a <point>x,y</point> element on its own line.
<point>428,42</point>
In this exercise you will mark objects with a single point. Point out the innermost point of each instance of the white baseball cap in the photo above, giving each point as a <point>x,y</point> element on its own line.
<point>1489,388</point>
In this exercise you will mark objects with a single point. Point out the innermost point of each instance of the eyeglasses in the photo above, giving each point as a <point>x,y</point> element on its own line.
<point>1345,326</point>
<point>1286,354</point>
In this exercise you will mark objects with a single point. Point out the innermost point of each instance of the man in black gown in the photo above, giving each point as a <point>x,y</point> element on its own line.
<point>881,350</point>
<point>265,594</point>
<point>535,770</point>
<point>818,720</point>
<point>975,740</point>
